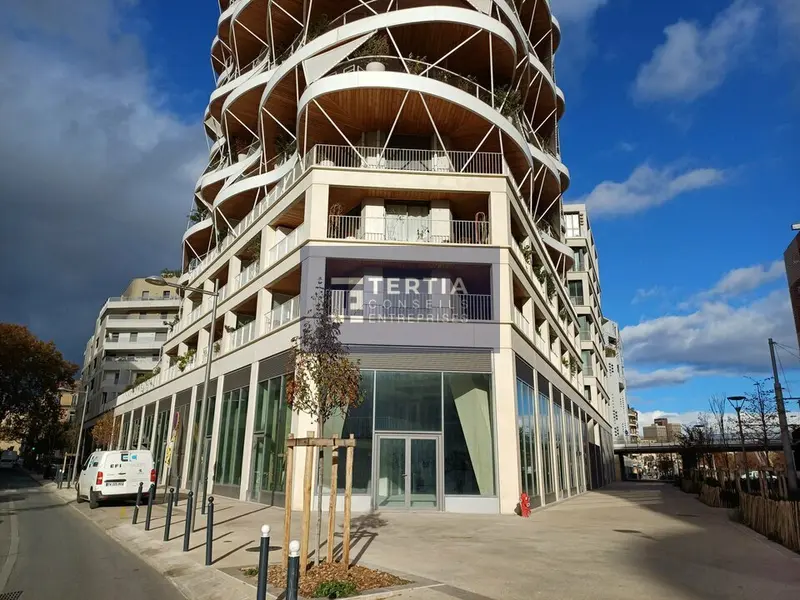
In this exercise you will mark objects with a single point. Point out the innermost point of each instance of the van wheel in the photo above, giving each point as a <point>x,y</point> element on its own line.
<point>92,499</point>
<point>78,499</point>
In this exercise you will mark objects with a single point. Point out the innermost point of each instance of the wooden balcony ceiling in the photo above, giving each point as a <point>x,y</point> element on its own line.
<point>200,240</point>
<point>288,284</point>
<point>210,191</point>
<point>250,22</point>
<point>541,19</point>
<point>374,109</point>
<point>293,216</point>
<point>247,308</point>
<point>239,206</point>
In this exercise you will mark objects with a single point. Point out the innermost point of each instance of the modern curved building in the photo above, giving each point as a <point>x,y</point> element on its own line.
<point>404,156</point>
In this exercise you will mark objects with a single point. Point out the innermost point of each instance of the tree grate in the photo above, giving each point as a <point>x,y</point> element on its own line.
<point>11,596</point>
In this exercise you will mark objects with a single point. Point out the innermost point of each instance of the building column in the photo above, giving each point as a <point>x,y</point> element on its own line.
<point>119,434</point>
<point>500,219</point>
<point>155,428</point>
<point>553,452</point>
<point>313,273</point>
<point>507,436</point>
<point>212,455</point>
<point>502,290</point>
<point>315,218</point>
<point>188,450</point>
<point>141,429</point>
<point>170,427</point>
<point>247,453</point>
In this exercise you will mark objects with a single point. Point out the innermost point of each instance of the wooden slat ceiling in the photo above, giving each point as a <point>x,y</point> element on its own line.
<point>288,284</point>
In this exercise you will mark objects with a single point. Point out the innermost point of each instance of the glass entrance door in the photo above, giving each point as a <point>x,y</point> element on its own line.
<point>408,472</point>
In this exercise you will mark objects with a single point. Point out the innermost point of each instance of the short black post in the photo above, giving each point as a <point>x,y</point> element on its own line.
<point>293,571</point>
<point>205,491</point>
<point>138,502</point>
<point>169,515</point>
<point>177,490</point>
<point>209,530</point>
<point>188,530</point>
<point>263,564</point>
<point>150,496</point>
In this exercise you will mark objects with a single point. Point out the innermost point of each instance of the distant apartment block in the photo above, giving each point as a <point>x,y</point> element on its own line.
<point>662,431</point>
<point>620,415</point>
<point>792,260</point>
<point>128,335</point>
<point>633,424</point>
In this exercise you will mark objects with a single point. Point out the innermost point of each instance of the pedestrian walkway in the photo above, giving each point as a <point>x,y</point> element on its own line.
<point>625,541</point>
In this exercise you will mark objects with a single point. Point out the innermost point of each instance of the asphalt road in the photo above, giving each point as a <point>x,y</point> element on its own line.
<point>49,551</point>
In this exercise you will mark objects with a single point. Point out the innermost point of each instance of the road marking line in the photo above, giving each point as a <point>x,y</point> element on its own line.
<point>13,548</point>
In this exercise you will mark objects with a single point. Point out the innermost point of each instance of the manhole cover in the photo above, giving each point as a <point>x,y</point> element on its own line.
<point>11,596</point>
<point>627,531</point>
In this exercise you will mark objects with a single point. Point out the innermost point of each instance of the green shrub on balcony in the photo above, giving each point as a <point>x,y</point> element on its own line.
<point>198,215</point>
<point>508,101</point>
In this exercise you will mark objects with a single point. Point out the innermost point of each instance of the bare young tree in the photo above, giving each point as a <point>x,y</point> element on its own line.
<point>717,404</point>
<point>324,382</point>
<point>760,417</point>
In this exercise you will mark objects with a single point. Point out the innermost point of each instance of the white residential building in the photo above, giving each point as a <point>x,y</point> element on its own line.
<point>406,158</point>
<point>624,420</point>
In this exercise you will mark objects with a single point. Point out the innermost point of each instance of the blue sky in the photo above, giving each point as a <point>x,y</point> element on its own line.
<point>680,134</point>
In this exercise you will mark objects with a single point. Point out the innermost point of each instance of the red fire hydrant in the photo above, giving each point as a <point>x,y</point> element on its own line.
<point>524,505</point>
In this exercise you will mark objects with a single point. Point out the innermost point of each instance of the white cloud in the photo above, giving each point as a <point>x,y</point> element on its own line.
<point>693,60</point>
<point>576,18</point>
<point>648,187</point>
<point>715,336</point>
<point>624,146</point>
<point>745,279</point>
<point>684,418</point>
<point>643,294</point>
<point>576,10</point>
<point>662,377</point>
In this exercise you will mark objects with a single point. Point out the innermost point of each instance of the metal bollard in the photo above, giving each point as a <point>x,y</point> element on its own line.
<point>293,571</point>
<point>263,564</point>
<point>138,502</point>
<point>150,496</point>
<point>169,515</point>
<point>188,530</point>
<point>205,491</point>
<point>209,530</point>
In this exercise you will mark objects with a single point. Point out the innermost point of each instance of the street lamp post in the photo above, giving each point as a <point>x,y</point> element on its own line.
<point>738,402</point>
<point>80,435</point>
<point>199,450</point>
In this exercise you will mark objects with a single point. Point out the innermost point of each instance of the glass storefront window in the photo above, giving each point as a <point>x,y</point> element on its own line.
<point>357,421</point>
<point>162,426</point>
<point>148,431</point>
<point>271,428</point>
<point>558,437</point>
<point>468,438</point>
<point>544,432</point>
<point>126,423</point>
<point>135,433</point>
<point>526,427</point>
<point>408,401</point>
<point>228,470</point>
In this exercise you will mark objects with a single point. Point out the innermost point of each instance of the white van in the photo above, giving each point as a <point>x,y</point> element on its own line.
<point>115,474</point>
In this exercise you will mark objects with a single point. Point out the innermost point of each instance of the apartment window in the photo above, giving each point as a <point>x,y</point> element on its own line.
<point>155,356</point>
<point>161,336</point>
<point>579,257</point>
<point>145,295</point>
<point>586,359</point>
<point>166,294</point>
<point>164,316</point>
<point>576,292</point>
<point>116,376</point>
<point>573,225</point>
<point>114,337</point>
<point>105,397</point>
<point>134,336</point>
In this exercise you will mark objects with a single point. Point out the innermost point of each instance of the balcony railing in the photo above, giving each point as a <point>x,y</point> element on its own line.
<point>244,334</point>
<point>577,300</point>
<point>282,314</point>
<point>402,159</point>
<point>408,229</point>
<point>286,245</point>
<point>442,308</point>
<point>586,335</point>
<point>247,275</point>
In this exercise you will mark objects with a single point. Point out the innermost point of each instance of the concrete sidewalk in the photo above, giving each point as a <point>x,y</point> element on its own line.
<point>628,540</point>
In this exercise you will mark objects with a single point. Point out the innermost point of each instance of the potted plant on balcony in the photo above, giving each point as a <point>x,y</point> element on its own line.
<point>508,101</point>
<point>186,359</point>
<point>251,251</point>
<point>317,27</point>
<point>376,47</point>
<point>285,146</point>
<point>198,215</point>
<point>527,252</point>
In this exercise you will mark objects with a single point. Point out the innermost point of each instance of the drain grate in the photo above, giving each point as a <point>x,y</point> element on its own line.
<point>11,596</point>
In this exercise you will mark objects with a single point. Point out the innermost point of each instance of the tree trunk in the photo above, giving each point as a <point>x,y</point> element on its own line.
<point>320,459</point>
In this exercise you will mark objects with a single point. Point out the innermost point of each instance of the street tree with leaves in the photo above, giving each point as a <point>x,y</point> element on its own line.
<point>324,380</point>
<point>31,372</point>
<point>39,428</point>
<point>104,430</point>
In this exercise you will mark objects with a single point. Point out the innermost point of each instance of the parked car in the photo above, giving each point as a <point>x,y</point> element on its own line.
<point>8,459</point>
<point>115,474</point>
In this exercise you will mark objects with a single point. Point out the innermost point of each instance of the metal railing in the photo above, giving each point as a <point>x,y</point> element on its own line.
<point>403,159</point>
<point>244,334</point>
<point>408,229</point>
<point>282,314</point>
<point>440,308</point>
<point>586,335</point>
<point>577,300</point>
<point>247,275</point>
<point>286,245</point>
